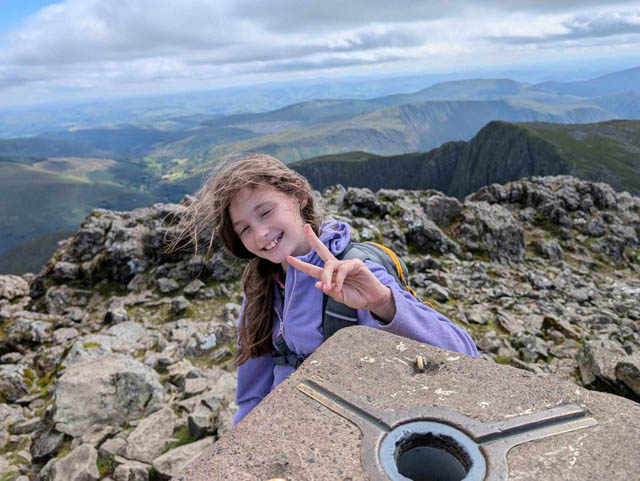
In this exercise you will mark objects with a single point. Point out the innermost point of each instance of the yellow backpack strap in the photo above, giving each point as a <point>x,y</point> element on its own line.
<point>396,261</point>
<point>392,255</point>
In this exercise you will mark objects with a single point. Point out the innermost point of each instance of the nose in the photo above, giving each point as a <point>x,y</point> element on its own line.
<point>261,232</point>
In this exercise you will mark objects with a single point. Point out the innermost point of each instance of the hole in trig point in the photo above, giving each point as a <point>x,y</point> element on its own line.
<point>431,457</point>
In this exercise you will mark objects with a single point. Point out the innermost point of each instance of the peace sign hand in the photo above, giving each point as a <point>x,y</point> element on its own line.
<point>348,282</point>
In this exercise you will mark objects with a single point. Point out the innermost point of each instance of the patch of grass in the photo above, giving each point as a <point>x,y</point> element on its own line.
<point>29,377</point>
<point>550,229</point>
<point>105,465</point>
<point>64,449</point>
<point>140,354</point>
<point>481,255</point>
<point>111,289</point>
<point>91,345</point>
<point>49,377</point>
<point>18,460</point>
<point>182,437</point>
<point>415,250</point>
<point>3,328</point>
<point>13,446</point>
<point>207,359</point>
<point>153,474</point>
<point>502,359</point>
<point>10,476</point>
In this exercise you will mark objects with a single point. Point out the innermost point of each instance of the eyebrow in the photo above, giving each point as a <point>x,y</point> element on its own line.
<point>257,207</point>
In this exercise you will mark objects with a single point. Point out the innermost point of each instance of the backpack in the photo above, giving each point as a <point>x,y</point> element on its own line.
<point>336,315</point>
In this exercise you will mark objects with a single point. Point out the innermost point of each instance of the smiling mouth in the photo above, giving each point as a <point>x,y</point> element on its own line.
<point>273,244</point>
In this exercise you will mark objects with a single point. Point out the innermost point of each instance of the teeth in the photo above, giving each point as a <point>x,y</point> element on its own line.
<point>272,244</point>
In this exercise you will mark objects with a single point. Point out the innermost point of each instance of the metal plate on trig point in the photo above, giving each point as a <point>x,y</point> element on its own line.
<point>447,444</point>
<point>293,436</point>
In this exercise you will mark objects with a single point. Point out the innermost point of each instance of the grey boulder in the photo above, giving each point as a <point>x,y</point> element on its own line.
<point>111,390</point>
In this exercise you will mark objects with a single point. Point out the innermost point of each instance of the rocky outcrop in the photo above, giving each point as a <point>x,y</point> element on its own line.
<point>117,356</point>
<point>12,287</point>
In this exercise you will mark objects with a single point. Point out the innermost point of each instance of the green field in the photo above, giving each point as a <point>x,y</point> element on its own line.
<point>36,202</point>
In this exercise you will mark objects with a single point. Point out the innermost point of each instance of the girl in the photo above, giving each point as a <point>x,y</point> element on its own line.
<point>265,212</point>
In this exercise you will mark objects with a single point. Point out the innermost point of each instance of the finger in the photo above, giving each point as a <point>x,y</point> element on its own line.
<point>327,273</point>
<point>309,269</point>
<point>331,291</point>
<point>341,274</point>
<point>322,250</point>
<point>323,288</point>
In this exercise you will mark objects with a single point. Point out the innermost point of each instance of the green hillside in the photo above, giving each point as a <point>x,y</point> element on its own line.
<point>606,152</point>
<point>500,152</point>
<point>36,202</point>
<point>31,255</point>
<point>385,131</point>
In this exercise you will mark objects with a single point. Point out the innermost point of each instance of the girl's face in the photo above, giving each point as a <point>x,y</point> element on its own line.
<point>269,224</point>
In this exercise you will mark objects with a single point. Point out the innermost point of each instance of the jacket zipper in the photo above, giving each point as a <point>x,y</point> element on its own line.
<point>288,303</point>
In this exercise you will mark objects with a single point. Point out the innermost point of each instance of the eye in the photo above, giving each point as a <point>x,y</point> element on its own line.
<point>243,231</point>
<point>266,213</point>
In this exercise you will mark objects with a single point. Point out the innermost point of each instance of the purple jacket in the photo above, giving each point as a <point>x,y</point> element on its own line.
<point>298,316</point>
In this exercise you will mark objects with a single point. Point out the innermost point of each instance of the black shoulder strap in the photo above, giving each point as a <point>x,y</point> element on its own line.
<point>283,355</point>
<point>336,315</point>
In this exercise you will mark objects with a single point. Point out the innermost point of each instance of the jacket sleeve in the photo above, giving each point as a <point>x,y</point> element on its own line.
<point>416,320</point>
<point>255,379</point>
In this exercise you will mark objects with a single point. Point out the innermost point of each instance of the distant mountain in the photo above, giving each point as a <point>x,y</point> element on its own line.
<point>124,141</point>
<point>500,152</point>
<point>196,144</point>
<point>179,147</point>
<point>477,89</point>
<point>168,111</point>
<point>613,83</point>
<point>390,130</point>
<point>625,105</point>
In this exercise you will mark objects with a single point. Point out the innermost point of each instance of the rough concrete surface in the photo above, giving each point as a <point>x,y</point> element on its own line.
<point>294,437</point>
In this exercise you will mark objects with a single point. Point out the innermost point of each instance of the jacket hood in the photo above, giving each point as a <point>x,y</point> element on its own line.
<point>335,235</point>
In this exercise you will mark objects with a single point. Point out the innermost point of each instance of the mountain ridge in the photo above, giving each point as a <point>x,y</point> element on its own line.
<point>500,152</point>
<point>611,83</point>
<point>404,128</point>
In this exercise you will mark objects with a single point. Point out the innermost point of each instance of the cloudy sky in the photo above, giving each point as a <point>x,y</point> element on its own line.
<point>81,49</point>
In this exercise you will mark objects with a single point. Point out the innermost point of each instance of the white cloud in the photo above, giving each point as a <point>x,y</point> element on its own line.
<point>607,24</point>
<point>106,45</point>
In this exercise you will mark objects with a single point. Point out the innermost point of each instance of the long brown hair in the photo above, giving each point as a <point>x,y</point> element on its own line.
<point>208,218</point>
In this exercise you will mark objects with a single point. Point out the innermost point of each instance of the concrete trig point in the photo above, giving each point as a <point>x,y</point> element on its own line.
<point>360,409</point>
